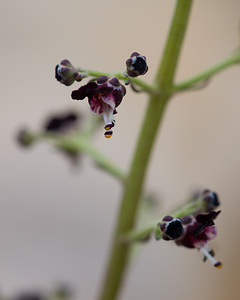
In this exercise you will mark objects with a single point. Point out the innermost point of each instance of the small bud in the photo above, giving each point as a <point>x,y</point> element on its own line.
<point>66,73</point>
<point>136,65</point>
<point>211,200</point>
<point>25,138</point>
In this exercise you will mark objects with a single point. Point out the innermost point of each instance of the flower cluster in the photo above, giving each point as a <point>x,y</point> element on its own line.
<point>192,231</point>
<point>104,93</point>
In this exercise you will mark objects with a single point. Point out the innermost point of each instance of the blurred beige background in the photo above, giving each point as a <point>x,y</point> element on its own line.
<point>55,221</point>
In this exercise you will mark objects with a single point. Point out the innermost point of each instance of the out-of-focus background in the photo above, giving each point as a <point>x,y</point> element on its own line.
<point>56,221</point>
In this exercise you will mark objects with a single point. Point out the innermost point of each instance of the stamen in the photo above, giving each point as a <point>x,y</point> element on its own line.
<point>108,126</point>
<point>108,134</point>
<point>209,256</point>
<point>107,113</point>
<point>211,252</point>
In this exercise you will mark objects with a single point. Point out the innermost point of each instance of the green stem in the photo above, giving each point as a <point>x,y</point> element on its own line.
<point>133,189</point>
<point>189,83</point>
<point>80,143</point>
<point>148,88</point>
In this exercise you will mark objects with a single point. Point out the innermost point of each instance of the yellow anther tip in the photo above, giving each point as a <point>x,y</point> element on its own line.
<point>108,134</point>
<point>218,265</point>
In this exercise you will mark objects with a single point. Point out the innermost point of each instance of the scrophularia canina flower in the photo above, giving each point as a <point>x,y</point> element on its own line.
<point>192,231</point>
<point>104,95</point>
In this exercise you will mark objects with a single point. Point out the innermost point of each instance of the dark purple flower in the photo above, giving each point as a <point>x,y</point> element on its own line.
<point>193,232</point>
<point>62,123</point>
<point>104,95</point>
<point>66,73</point>
<point>136,65</point>
<point>29,296</point>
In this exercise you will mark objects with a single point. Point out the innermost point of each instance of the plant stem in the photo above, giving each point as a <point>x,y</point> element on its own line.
<point>189,83</point>
<point>77,142</point>
<point>148,88</point>
<point>133,189</point>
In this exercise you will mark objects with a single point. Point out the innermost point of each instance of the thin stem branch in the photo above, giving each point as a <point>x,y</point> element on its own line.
<point>154,114</point>
<point>78,142</point>
<point>189,83</point>
<point>146,87</point>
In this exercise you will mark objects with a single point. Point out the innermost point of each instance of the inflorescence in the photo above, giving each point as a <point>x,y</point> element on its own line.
<point>194,230</point>
<point>104,93</point>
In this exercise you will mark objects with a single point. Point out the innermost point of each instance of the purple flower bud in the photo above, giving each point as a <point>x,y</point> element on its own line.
<point>66,73</point>
<point>211,200</point>
<point>136,65</point>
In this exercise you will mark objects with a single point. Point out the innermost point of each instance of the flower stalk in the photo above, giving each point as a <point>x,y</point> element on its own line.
<point>134,186</point>
<point>204,203</point>
<point>80,143</point>
<point>121,75</point>
<point>205,75</point>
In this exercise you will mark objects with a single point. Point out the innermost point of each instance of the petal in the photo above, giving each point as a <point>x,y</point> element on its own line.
<point>87,90</point>
<point>210,232</point>
<point>107,111</point>
<point>109,100</point>
<point>95,105</point>
<point>206,235</point>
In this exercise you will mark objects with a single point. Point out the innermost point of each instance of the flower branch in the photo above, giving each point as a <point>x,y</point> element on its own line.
<point>131,196</point>
<point>192,226</point>
<point>79,142</point>
<point>207,74</point>
<point>122,75</point>
<point>63,132</point>
<point>205,202</point>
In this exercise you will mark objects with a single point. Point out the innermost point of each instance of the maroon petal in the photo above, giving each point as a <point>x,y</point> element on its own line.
<point>85,91</point>
<point>95,105</point>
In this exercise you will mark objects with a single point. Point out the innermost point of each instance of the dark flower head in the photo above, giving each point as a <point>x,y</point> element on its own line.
<point>66,73</point>
<point>195,232</point>
<point>136,65</point>
<point>62,123</point>
<point>104,95</point>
